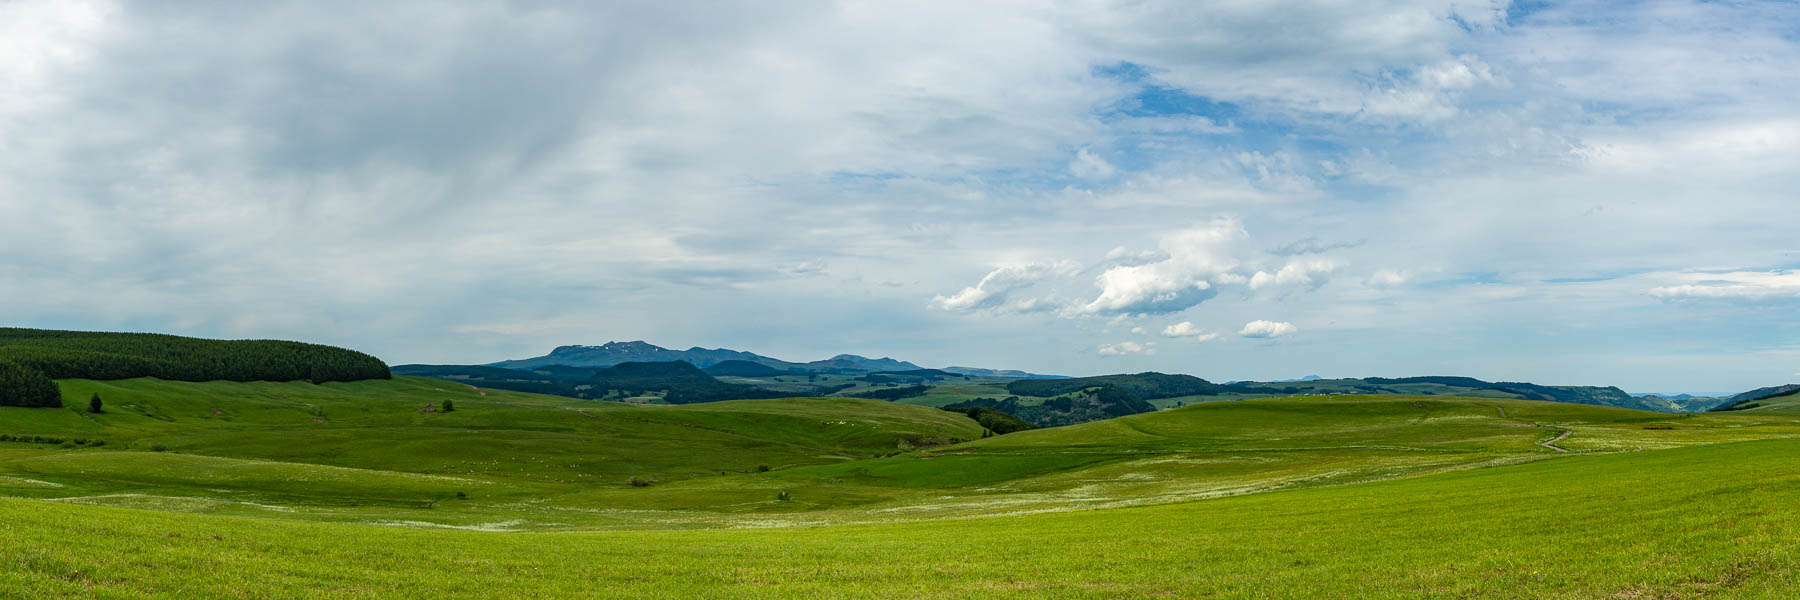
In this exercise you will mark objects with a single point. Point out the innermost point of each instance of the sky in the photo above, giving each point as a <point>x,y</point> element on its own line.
<point>1565,193</point>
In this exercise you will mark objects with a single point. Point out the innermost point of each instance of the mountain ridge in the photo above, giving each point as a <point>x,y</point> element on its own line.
<point>616,352</point>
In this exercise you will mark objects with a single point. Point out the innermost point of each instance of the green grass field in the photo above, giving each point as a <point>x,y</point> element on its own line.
<point>1711,521</point>
<point>350,490</point>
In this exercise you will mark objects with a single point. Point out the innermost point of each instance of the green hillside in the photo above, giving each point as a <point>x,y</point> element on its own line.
<point>1778,399</point>
<point>498,448</point>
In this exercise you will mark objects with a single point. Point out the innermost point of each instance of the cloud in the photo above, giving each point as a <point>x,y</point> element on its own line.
<point>1123,256</point>
<point>1736,284</point>
<point>1175,283</point>
<point>1187,329</point>
<point>508,177</point>
<point>1267,329</point>
<point>1312,245</point>
<point>1127,348</point>
<point>1174,124</point>
<point>1383,278</point>
<point>994,290</point>
<point>1087,165</point>
<point>1298,271</point>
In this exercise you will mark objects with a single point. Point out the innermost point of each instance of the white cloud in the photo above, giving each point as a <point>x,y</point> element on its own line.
<point>1736,284</point>
<point>1123,256</point>
<point>1088,165</point>
<point>1430,93</point>
<point>993,291</point>
<point>1299,271</point>
<point>1267,329</point>
<point>1127,348</point>
<point>1173,284</point>
<point>1384,278</point>
<point>1187,329</point>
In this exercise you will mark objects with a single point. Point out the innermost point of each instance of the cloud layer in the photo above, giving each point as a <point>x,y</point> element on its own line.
<point>1568,193</point>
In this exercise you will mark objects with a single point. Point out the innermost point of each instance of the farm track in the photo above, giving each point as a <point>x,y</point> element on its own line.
<point>1550,443</point>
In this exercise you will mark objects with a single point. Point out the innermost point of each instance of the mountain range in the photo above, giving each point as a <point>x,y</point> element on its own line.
<point>613,353</point>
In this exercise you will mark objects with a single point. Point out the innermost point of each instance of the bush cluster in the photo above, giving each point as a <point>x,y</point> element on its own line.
<point>51,440</point>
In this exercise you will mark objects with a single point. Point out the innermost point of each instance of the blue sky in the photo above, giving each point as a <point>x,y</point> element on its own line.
<point>1566,193</point>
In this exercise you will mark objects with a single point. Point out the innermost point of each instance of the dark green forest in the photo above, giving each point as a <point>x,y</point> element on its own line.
<point>96,355</point>
<point>892,394</point>
<point>1105,401</point>
<point>1144,386</point>
<point>679,382</point>
<point>993,419</point>
<point>24,386</point>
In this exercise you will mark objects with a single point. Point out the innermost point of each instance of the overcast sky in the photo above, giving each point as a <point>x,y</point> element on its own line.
<point>1587,193</point>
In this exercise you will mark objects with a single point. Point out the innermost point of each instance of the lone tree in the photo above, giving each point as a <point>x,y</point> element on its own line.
<point>449,406</point>
<point>94,403</point>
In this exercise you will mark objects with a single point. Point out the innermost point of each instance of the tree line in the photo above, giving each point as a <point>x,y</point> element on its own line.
<point>92,355</point>
<point>24,386</point>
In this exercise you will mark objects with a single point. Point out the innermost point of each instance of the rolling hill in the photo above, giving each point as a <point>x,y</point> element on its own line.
<point>743,368</point>
<point>1781,398</point>
<point>168,441</point>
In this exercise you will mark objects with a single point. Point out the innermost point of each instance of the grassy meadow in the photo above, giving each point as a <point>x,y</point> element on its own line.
<point>1708,521</point>
<point>283,490</point>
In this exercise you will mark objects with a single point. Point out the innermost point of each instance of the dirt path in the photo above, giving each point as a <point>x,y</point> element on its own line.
<point>1561,434</point>
<point>1551,443</point>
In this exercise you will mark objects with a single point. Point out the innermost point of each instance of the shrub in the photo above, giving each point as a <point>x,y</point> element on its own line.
<point>449,406</point>
<point>783,496</point>
<point>636,481</point>
<point>762,468</point>
<point>159,448</point>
